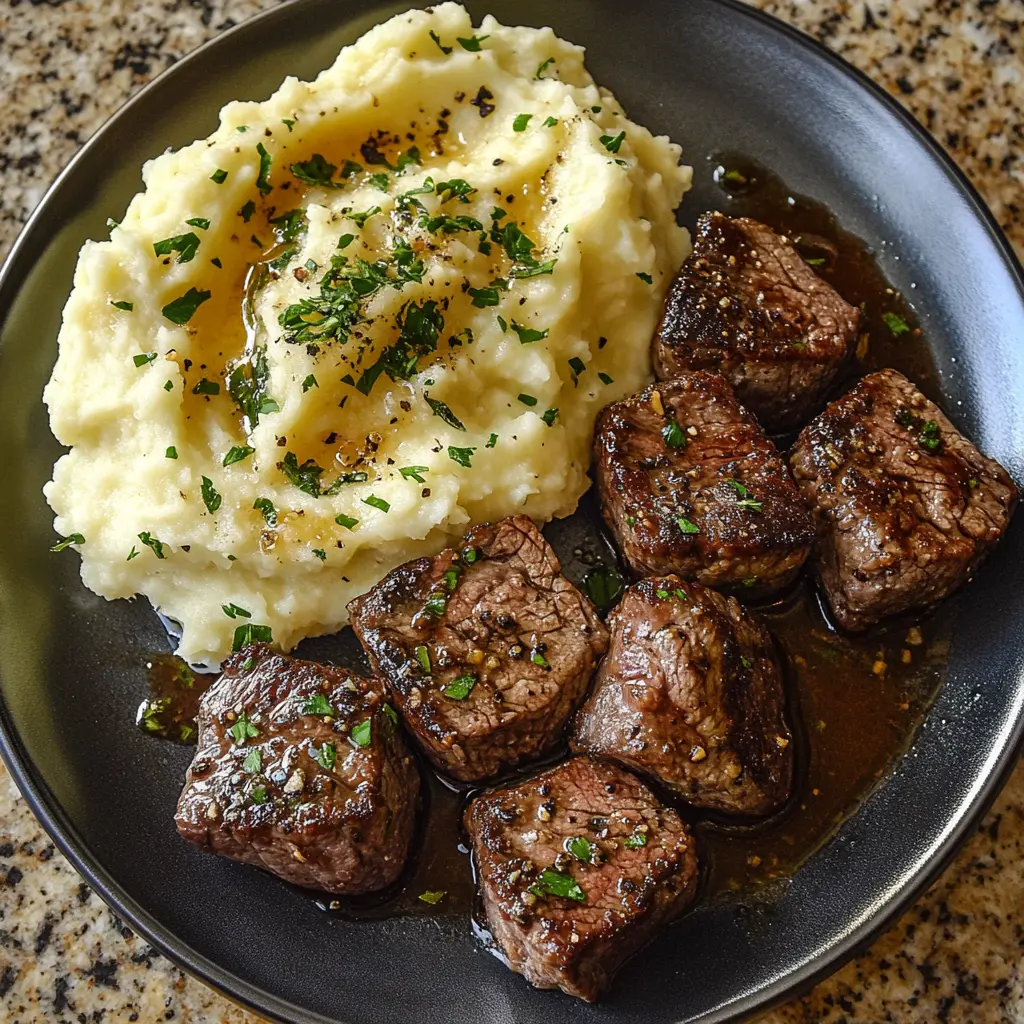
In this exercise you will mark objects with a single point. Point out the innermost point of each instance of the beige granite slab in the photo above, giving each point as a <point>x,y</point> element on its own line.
<point>956,957</point>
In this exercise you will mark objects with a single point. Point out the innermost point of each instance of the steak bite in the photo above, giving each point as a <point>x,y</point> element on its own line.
<point>691,694</point>
<point>746,305</point>
<point>301,769</point>
<point>487,650</point>
<point>689,483</point>
<point>578,868</point>
<point>906,506</point>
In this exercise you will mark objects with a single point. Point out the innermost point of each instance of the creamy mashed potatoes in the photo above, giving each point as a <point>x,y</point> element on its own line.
<point>363,314</point>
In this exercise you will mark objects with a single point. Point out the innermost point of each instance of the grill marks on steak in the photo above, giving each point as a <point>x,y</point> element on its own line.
<point>746,305</point>
<point>689,483</point>
<point>691,693</point>
<point>578,867</point>
<point>486,650</point>
<point>906,506</point>
<point>324,800</point>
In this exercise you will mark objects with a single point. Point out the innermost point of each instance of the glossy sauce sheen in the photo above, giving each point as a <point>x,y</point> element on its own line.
<point>854,702</point>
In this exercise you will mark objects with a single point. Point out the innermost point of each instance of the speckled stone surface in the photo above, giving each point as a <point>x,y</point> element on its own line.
<point>66,65</point>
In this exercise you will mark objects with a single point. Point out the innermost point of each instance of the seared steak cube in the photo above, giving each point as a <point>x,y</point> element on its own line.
<point>487,649</point>
<point>906,506</point>
<point>578,867</point>
<point>691,694</point>
<point>746,305</point>
<point>301,769</point>
<point>689,483</point>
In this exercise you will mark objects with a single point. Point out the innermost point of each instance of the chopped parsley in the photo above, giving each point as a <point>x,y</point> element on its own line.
<point>74,538</point>
<point>635,841</point>
<point>289,225</point>
<point>928,436</point>
<point>538,659</point>
<point>491,441</point>
<point>251,633</point>
<point>437,39</point>
<point>151,542</point>
<point>346,240</point>
<point>744,499</point>
<point>613,143</point>
<point>604,586</point>
<point>414,473</point>
<point>320,553</point>
<point>123,304</point>
<point>423,658</point>
<point>418,329</point>
<point>577,366</point>
<point>171,452</point>
<point>554,883</point>
<point>549,417</point>
<point>316,171</point>
<point>520,122</point>
<point>472,43</point>
<point>347,521</point>
<point>263,178</point>
<point>259,795</point>
<point>483,297</point>
<point>461,455</point>
<point>243,730</point>
<point>544,67</point>
<point>234,611</point>
<point>673,435</point>
<point>142,358</point>
<point>219,176</point>
<point>460,687</point>
<point>325,756</point>
<point>581,848</point>
<point>182,309</point>
<point>528,400</point>
<point>288,122</point>
<point>266,509</point>
<point>211,499</point>
<point>199,222</point>
<point>309,382</point>
<point>456,188</point>
<point>237,454</point>
<point>317,705</point>
<point>896,323</point>
<point>361,218</point>
<point>375,502</point>
<point>361,733</point>
<point>687,526</point>
<point>442,410</point>
<point>247,210</point>
<point>253,762</point>
<point>432,896</point>
<point>646,278</point>
<point>528,334</point>
<point>168,385</point>
<point>550,122</point>
<point>605,379</point>
<point>306,477</point>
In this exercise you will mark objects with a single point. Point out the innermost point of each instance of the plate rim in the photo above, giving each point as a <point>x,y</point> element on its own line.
<point>54,820</point>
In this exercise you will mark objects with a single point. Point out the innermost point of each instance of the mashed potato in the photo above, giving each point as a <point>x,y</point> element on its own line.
<point>363,314</point>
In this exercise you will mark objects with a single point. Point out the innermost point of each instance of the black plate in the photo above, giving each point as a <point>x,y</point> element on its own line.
<point>713,75</point>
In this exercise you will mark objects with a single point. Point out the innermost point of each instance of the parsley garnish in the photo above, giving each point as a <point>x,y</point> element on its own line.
<point>581,848</point>
<point>423,658</point>
<point>219,176</point>
<point>520,122</point>
<point>472,44</point>
<point>199,222</point>
<point>123,304</point>
<point>554,883</point>
<point>325,756</point>
<point>549,417</point>
<point>288,122</point>
<point>248,385</point>
<point>346,240</point>
<point>171,452</point>
<point>461,455</point>
<point>635,841</point>
<point>134,553</point>
<point>316,171</point>
<point>181,310</point>
<point>251,633</point>
<point>457,188</point>
<point>604,586</point>
<point>263,178</point>
<point>673,435</point>
<point>74,538</point>
<point>550,122</point>
<point>442,410</point>
<point>317,704</point>
<point>460,688</point>
<point>266,508</point>
<point>142,358</point>
<point>605,379</point>
<point>259,795</point>
<point>361,733</point>
<point>362,218</point>
<point>646,278</point>
<point>896,323</point>
<point>432,896</point>
<point>151,542</point>
<point>375,502</point>
<point>538,659</point>
<point>309,382</point>
<point>414,473</point>
<point>491,441</point>
<point>289,225</point>
<point>247,210</point>
<point>528,400</point>
<point>253,762</point>
<point>168,385</point>
<point>437,39</point>
<point>211,499</point>
<point>483,297</point>
<point>243,730</point>
<point>527,334</point>
<point>347,521</point>
<point>577,366</point>
<point>237,454</point>
<point>744,500</point>
<point>544,67</point>
<point>613,143</point>
<point>234,611</point>
<point>306,477</point>
<point>687,526</point>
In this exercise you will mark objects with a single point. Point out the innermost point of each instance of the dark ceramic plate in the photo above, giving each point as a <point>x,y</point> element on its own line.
<point>713,75</point>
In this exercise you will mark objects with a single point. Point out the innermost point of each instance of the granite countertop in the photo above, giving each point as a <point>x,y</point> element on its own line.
<point>958,65</point>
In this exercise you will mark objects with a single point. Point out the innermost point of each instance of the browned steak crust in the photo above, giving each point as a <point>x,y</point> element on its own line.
<point>689,483</point>
<point>578,868</point>
<point>906,506</point>
<point>746,305</point>
<point>691,693</point>
<point>301,769</point>
<point>487,649</point>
